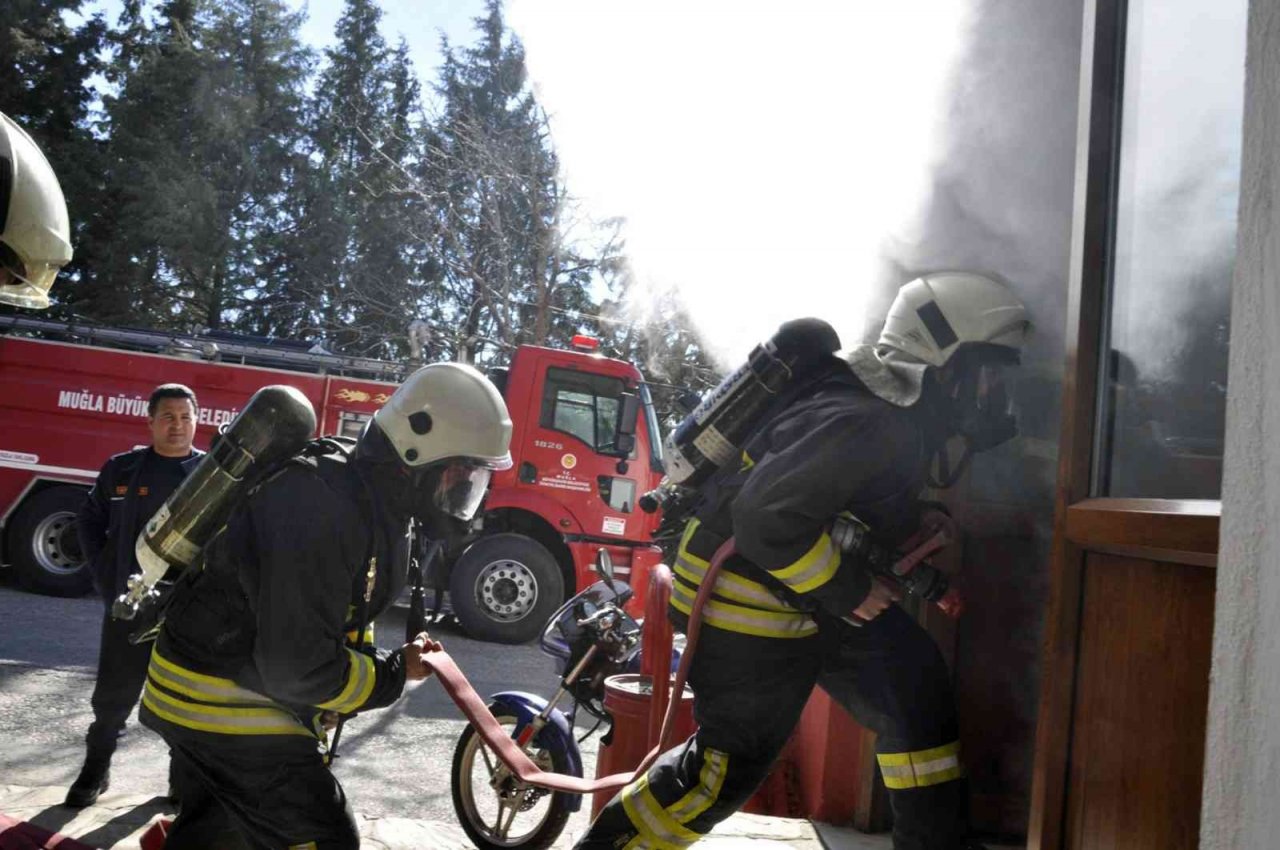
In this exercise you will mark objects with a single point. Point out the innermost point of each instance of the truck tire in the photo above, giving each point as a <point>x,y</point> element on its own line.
<point>42,543</point>
<point>505,587</point>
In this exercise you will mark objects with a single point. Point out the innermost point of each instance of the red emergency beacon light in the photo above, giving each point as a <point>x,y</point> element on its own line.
<point>581,342</point>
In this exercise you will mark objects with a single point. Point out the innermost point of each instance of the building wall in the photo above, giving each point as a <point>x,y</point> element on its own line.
<point>1242,759</point>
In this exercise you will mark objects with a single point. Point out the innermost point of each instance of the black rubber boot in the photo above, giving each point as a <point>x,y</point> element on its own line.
<point>94,778</point>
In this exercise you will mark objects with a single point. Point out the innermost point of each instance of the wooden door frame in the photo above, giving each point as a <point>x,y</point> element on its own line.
<point>1166,530</point>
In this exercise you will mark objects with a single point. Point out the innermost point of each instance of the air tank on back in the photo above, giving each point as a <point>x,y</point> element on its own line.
<point>275,425</point>
<point>713,434</point>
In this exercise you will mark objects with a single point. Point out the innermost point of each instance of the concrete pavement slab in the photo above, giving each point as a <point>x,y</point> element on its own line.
<point>118,820</point>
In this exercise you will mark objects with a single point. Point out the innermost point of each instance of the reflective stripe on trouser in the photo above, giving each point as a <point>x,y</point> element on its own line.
<point>749,692</point>
<point>922,767</point>
<point>206,703</point>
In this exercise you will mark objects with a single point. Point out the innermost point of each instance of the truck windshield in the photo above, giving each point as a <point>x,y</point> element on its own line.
<point>656,461</point>
<point>583,405</point>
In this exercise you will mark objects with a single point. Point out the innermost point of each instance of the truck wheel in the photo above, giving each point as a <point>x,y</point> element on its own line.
<point>505,587</point>
<point>43,546</point>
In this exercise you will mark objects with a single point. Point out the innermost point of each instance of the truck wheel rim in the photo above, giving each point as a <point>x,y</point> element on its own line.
<point>54,544</point>
<point>507,589</point>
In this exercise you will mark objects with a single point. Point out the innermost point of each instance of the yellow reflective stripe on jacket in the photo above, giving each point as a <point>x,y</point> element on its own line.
<point>744,620</point>
<point>221,719</point>
<point>922,767</point>
<point>715,765</point>
<point>201,686</point>
<point>354,635</point>
<point>814,568</point>
<point>655,826</point>
<point>684,553</point>
<point>693,570</point>
<point>733,586</point>
<point>361,675</point>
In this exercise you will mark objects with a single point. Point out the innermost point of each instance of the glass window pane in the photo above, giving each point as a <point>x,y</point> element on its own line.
<point>1164,381</point>
<point>583,405</point>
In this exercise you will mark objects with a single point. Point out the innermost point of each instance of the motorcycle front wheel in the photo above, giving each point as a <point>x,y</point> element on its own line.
<point>497,810</point>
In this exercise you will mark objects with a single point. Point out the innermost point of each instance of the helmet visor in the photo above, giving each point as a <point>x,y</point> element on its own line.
<point>26,290</point>
<point>460,489</point>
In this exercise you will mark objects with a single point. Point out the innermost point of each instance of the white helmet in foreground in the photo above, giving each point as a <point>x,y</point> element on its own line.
<point>449,423</point>
<point>936,315</point>
<point>35,236</point>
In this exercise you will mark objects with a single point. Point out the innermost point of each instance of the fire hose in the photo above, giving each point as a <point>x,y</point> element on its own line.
<point>518,762</point>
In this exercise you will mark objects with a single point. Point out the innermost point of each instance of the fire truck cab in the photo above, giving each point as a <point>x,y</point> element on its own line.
<point>585,445</point>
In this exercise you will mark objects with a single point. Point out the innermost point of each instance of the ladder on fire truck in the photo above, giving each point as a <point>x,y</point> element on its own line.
<point>213,346</point>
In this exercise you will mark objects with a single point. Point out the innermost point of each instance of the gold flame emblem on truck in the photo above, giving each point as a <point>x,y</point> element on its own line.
<point>348,394</point>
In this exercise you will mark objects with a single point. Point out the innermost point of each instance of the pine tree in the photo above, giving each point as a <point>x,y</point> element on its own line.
<point>356,259</point>
<point>201,135</point>
<point>492,178</point>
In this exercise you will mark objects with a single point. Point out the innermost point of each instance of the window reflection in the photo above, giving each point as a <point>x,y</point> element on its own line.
<point>1164,380</point>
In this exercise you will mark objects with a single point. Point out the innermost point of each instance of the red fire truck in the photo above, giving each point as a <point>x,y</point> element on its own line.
<point>585,447</point>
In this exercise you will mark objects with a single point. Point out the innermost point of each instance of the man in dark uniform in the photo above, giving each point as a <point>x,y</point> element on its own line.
<point>130,488</point>
<point>267,639</point>
<point>790,610</point>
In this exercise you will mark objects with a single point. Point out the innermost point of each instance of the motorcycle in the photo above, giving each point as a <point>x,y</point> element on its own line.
<point>591,638</point>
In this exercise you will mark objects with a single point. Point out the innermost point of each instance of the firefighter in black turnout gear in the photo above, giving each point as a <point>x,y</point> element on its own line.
<point>128,490</point>
<point>858,433</point>
<point>270,638</point>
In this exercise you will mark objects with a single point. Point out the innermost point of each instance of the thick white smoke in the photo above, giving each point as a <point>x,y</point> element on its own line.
<point>760,153</point>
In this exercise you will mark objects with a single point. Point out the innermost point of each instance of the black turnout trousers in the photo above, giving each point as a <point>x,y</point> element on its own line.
<point>748,695</point>
<point>260,795</point>
<point>122,670</point>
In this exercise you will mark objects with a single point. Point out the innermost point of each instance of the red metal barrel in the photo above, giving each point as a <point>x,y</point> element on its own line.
<point>629,698</point>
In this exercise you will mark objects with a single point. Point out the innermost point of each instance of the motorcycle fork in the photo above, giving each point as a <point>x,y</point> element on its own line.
<point>530,731</point>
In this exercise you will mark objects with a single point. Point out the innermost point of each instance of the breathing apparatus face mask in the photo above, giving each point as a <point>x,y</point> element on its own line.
<point>452,489</point>
<point>980,407</point>
<point>461,488</point>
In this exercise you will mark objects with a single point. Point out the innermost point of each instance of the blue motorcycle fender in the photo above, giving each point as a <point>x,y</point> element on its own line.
<point>556,735</point>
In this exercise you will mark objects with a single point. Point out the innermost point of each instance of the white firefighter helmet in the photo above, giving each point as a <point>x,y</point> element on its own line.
<point>35,236</point>
<point>447,411</point>
<point>937,314</point>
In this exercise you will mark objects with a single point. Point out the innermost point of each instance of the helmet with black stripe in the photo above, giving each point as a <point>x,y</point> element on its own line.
<point>937,315</point>
<point>970,329</point>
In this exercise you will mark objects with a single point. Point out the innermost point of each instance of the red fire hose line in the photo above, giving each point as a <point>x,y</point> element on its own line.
<point>459,689</point>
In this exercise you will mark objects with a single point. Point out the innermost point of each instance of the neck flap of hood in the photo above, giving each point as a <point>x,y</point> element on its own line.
<point>894,376</point>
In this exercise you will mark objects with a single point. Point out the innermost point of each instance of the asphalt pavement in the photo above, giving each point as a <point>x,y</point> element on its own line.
<point>394,763</point>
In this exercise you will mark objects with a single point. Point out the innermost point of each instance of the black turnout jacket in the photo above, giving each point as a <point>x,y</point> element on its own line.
<point>831,446</point>
<point>277,607</point>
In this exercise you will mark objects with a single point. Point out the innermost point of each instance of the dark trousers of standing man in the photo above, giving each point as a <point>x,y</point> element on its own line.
<point>122,670</point>
<point>749,693</point>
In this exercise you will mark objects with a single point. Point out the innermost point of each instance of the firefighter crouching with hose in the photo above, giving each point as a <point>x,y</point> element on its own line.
<point>265,638</point>
<point>856,434</point>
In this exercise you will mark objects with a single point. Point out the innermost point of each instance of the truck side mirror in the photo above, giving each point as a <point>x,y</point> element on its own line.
<point>628,415</point>
<point>604,565</point>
